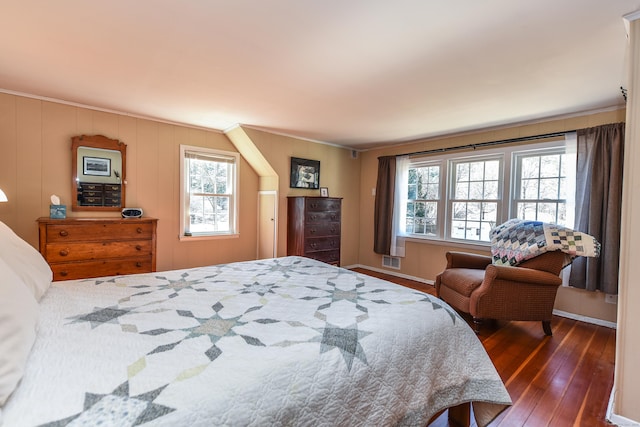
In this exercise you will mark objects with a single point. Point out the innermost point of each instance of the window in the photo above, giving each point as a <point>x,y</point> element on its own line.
<point>541,186</point>
<point>461,198</point>
<point>423,199</point>
<point>208,192</point>
<point>475,198</point>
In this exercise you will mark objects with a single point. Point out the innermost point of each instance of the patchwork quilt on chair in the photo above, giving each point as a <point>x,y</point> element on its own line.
<point>517,240</point>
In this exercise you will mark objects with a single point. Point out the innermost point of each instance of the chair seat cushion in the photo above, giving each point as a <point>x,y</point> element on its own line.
<point>462,280</point>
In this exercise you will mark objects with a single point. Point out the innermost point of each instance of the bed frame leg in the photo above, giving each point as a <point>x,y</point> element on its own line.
<point>460,416</point>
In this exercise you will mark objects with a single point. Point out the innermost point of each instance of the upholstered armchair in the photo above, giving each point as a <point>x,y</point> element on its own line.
<point>472,284</point>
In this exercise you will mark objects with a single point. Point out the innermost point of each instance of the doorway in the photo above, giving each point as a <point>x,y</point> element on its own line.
<point>267,224</point>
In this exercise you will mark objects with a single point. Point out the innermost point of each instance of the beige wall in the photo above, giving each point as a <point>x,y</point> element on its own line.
<point>339,172</point>
<point>424,260</point>
<point>626,387</point>
<point>35,162</point>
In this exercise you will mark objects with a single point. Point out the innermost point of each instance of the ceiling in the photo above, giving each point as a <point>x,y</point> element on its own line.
<point>356,73</point>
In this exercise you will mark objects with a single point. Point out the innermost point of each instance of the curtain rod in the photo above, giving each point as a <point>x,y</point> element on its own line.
<point>488,144</point>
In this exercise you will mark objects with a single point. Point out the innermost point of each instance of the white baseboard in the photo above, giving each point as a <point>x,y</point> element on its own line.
<point>586,319</point>
<point>390,273</point>
<point>617,419</point>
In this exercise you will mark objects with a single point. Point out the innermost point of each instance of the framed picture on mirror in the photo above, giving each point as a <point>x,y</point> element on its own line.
<point>97,166</point>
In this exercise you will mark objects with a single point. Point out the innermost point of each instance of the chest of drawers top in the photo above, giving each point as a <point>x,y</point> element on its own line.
<point>97,229</point>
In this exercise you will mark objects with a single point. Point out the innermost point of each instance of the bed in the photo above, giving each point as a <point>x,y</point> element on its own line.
<point>280,342</point>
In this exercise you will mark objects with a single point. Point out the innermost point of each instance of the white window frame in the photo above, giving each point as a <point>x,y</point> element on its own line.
<point>569,169</point>
<point>506,208</point>
<point>441,194</point>
<point>234,158</point>
<point>451,197</point>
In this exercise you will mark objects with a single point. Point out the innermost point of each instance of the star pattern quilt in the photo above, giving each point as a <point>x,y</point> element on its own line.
<point>517,240</point>
<point>280,342</point>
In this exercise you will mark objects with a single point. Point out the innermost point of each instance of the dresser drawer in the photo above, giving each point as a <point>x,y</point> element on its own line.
<point>320,204</point>
<point>98,231</point>
<point>330,257</point>
<point>322,243</point>
<point>110,267</point>
<point>74,251</point>
<point>111,201</point>
<point>319,230</point>
<point>331,216</point>
<point>87,186</point>
<point>92,201</point>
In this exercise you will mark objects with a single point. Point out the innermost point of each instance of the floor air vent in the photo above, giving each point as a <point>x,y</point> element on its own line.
<point>391,262</point>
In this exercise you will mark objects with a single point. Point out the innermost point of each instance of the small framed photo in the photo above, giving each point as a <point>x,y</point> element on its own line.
<point>324,192</point>
<point>97,166</point>
<point>305,173</point>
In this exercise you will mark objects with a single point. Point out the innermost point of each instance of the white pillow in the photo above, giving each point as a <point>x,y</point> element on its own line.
<point>18,318</point>
<point>26,261</point>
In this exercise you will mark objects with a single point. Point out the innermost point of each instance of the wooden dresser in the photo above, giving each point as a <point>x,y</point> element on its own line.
<point>78,248</point>
<point>313,228</point>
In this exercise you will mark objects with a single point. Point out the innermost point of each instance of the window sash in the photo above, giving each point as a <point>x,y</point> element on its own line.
<point>426,225</point>
<point>553,206</point>
<point>477,188</point>
<point>218,213</point>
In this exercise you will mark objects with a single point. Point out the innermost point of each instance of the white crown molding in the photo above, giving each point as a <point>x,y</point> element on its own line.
<point>287,135</point>
<point>628,18</point>
<point>106,110</point>
<point>632,16</point>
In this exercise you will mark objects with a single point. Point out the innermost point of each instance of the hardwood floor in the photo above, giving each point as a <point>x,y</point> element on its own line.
<point>563,380</point>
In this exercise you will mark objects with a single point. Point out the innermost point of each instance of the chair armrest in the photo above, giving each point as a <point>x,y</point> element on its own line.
<point>521,274</point>
<point>467,260</point>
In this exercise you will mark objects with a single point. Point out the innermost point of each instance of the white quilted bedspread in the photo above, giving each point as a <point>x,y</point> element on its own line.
<point>281,342</point>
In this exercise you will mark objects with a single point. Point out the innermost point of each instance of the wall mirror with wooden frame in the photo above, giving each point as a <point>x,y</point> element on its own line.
<point>98,173</point>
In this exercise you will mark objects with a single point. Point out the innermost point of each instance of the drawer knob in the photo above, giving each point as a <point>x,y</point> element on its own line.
<point>64,252</point>
<point>138,248</point>
<point>139,230</point>
<point>64,233</point>
<point>312,231</point>
<point>64,273</point>
<point>138,264</point>
<point>313,245</point>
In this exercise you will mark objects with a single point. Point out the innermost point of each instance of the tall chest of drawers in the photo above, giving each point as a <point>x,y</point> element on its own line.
<point>78,248</point>
<point>313,228</point>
